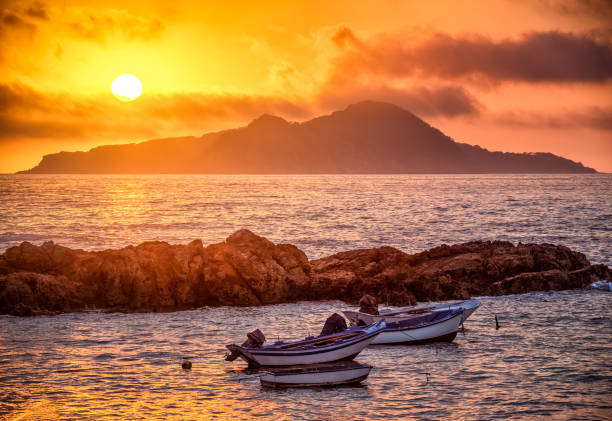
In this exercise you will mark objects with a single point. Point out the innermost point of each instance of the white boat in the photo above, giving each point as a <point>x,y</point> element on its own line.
<point>435,326</point>
<point>327,374</point>
<point>357,318</point>
<point>342,346</point>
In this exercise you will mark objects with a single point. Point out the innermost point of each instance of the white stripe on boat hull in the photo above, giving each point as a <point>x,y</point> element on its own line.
<point>425,333</point>
<point>270,359</point>
<point>316,379</point>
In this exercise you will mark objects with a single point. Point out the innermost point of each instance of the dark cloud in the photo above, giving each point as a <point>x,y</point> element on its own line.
<point>37,12</point>
<point>17,127</point>
<point>447,101</point>
<point>596,118</point>
<point>595,9</point>
<point>553,56</point>
<point>15,95</point>
<point>14,21</point>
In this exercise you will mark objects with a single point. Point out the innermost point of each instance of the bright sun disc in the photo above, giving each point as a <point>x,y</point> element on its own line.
<point>126,87</point>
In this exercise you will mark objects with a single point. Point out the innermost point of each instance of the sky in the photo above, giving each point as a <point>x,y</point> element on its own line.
<point>516,76</point>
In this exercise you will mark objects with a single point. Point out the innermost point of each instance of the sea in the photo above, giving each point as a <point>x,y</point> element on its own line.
<point>551,358</point>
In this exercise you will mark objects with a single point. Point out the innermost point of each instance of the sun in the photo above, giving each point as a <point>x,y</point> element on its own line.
<point>126,87</point>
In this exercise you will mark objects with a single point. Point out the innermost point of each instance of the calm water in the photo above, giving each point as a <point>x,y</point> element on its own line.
<point>320,214</point>
<point>551,358</point>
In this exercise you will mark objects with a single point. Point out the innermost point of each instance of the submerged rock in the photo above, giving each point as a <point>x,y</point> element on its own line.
<point>248,269</point>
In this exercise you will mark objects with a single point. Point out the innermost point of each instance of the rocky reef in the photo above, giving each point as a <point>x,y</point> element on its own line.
<point>248,270</point>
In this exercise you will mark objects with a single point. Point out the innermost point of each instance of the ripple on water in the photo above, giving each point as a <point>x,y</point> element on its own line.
<point>322,214</point>
<point>549,359</point>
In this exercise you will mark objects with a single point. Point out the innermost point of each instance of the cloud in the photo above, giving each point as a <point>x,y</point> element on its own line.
<point>99,27</point>
<point>554,56</point>
<point>596,118</point>
<point>595,9</point>
<point>344,37</point>
<point>26,113</point>
<point>445,100</point>
<point>12,20</point>
<point>37,12</point>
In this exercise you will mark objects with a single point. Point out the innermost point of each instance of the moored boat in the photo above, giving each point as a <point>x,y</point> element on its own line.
<point>340,346</point>
<point>317,375</point>
<point>436,326</point>
<point>356,317</point>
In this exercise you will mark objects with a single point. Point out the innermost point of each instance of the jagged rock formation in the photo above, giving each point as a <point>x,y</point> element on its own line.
<point>453,272</point>
<point>368,137</point>
<point>250,270</point>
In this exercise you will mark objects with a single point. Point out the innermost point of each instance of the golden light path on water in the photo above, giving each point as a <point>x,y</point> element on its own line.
<point>548,359</point>
<point>320,214</point>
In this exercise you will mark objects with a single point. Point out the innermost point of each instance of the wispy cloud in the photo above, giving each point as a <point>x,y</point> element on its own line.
<point>99,27</point>
<point>26,113</point>
<point>599,118</point>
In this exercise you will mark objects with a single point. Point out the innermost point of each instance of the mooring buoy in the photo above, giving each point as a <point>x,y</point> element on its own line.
<point>186,365</point>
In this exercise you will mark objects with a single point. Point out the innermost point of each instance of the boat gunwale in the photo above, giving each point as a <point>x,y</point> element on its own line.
<point>449,316</point>
<point>301,351</point>
<point>308,369</point>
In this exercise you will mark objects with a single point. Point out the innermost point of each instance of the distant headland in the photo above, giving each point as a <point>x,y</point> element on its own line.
<point>249,270</point>
<point>365,138</point>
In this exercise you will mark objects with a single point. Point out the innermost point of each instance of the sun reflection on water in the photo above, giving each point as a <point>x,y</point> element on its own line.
<point>543,362</point>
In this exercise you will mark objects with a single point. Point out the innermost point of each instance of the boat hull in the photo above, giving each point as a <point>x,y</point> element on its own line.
<point>333,376</point>
<point>443,331</point>
<point>469,307</point>
<point>340,349</point>
<point>285,358</point>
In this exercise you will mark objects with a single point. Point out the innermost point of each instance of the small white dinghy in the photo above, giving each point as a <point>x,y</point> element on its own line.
<point>357,318</point>
<point>317,375</point>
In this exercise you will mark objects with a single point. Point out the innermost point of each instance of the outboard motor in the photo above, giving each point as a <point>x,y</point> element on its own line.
<point>255,340</point>
<point>368,304</point>
<point>334,324</point>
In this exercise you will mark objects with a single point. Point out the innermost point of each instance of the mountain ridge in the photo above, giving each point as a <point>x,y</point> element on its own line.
<point>366,137</point>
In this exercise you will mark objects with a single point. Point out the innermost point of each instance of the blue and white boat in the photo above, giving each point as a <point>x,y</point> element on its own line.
<point>356,317</point>
<point>342,346</point>
<point>437,326</point>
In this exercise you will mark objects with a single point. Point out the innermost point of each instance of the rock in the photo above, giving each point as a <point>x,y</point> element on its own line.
<point>248,269</point>
<point>453,272</point>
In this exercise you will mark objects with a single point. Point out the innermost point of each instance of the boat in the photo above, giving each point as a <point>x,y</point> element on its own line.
<point>357,318</point>
<point>341,346</point>
<point>602,285</point>
<point>435,326</point>
<point>317,375</point>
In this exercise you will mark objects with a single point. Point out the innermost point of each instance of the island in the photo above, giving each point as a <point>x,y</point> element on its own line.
<point>365,138</point>
<point>249,270</point>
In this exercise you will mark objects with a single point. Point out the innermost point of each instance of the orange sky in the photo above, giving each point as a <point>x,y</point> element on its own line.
<point>519,76</point>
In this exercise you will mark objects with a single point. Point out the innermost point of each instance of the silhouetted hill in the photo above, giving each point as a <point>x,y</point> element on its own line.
<point>368,137</point>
